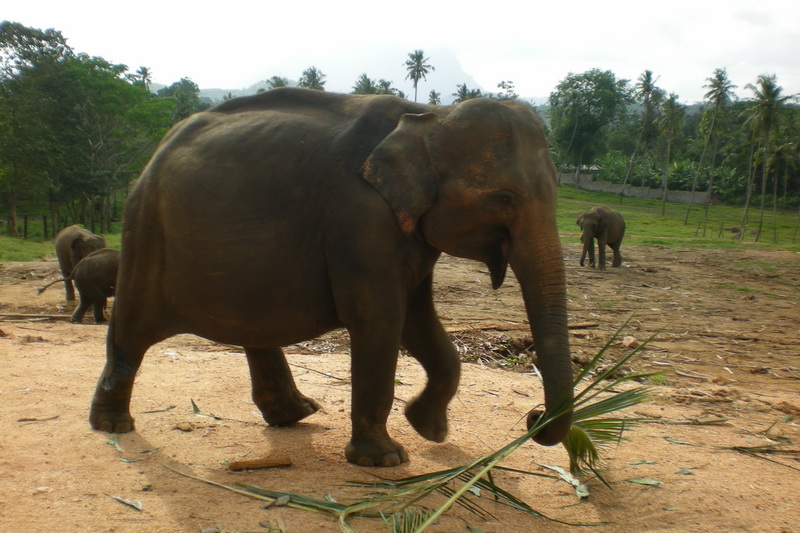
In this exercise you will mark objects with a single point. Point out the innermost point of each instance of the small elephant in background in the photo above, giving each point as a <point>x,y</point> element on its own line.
<point>73,243</point>
<point>95,276</point>
<point>608,227</point>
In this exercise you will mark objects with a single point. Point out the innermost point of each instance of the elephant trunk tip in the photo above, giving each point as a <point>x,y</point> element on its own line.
<point>554,432</point>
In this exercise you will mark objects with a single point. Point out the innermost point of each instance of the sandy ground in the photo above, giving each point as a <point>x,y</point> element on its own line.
<point>728,344</point>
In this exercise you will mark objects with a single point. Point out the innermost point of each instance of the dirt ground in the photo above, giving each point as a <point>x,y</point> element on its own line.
<point>728,344</point>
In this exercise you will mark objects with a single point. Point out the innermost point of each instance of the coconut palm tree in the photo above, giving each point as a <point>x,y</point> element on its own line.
<point>312,78</point>
<point>145,77</point>
<point>764,115</point>
<point>418,68</point>
<point>669,124</point>
<point>365,85</point>
<point>434,98</point>
<point>719,95</point>
<point>464,93</point>
<point>649,95</point>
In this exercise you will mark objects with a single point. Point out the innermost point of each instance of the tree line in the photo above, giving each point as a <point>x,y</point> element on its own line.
<point>739,152</point>
<point>75,130</point>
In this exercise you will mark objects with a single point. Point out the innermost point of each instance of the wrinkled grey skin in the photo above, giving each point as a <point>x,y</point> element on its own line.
<point>95,277</point>
<point>271,219</point>
<point>72,244</point>
<point>608,227</point>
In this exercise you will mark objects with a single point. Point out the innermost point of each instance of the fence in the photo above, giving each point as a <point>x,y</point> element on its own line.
<point>589,183</point>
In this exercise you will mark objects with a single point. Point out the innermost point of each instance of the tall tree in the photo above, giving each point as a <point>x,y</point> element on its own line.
<point>646,92</point>
<point>144,76</point>
<point>669,125</point>
<point>434,98</point>
<point>764,114</point>
<point>418,68</point>
<point>719,95</point>
<point>187,98</point>
<point>582,108</point>
<point>30,63</point>
<point>312,78</point>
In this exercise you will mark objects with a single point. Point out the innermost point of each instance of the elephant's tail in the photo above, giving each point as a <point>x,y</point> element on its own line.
<point>40,291</point>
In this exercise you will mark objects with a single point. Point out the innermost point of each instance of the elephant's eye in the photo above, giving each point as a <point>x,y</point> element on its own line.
<point>505,198</point>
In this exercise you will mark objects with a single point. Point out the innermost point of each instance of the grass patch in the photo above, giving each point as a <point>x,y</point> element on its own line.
<point>35,248</point>
<point>646,225</point>
<point>16,249</point>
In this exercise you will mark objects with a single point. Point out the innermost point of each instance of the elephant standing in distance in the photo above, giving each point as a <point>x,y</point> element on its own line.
<point>274,218</point>
<point>608,227</point>
<point>95,277</point>
<point>72,244</point>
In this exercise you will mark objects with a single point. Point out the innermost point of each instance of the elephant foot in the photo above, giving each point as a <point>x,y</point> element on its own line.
<point>103,419</point>
<point>386,452</point>
<point>430,423</point>
<point>289,411</point>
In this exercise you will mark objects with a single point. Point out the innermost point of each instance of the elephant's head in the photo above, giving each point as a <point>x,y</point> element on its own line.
<point>591,224</point>
<point>479,183</point>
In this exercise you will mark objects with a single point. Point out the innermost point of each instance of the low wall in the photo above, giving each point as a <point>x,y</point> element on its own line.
<point>587,182</point>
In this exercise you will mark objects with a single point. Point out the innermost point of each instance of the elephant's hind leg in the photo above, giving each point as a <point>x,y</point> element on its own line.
<point>274,390</point>
<point>425,338</point>
<point>617,261</point>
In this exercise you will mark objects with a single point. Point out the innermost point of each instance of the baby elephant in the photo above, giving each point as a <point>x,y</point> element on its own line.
<point>72,244</point>
<point>608,227</point>
<point>95,277</point>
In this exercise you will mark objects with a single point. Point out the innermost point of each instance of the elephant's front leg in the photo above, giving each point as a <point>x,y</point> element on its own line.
<point>590,248</point>
<point>426,340</point>
<point>274,390</point>
<point>601,252</point>
<point>374,362</point>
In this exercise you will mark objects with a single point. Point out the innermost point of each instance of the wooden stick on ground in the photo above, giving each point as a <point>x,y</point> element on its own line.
<point>265,462</point>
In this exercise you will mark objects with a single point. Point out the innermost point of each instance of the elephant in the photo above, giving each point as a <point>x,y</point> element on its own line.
<point>608,227</point>
<point>95,276</point>
<point>72,244</point>
<point>274,218</point>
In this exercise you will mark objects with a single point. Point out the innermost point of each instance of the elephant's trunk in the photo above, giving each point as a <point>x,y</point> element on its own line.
<point>538,264</point>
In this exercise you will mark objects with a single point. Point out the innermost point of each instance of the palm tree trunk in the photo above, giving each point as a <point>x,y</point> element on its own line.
<point>702,159</point>
<point>750,179</point>
<point>665,178</point>
<point>763,186</point>
<point>775,210</point>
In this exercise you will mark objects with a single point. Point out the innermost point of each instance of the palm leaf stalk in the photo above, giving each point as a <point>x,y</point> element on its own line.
<point>398,501</point>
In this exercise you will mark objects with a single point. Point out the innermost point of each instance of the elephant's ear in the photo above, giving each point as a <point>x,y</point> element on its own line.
<point>400,167</point>
<point>580,219</point>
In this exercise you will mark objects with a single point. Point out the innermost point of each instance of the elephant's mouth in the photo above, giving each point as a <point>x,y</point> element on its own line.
<point>497,262</point>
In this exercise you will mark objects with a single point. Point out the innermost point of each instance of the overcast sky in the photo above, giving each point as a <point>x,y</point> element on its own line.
<point>233,44</point>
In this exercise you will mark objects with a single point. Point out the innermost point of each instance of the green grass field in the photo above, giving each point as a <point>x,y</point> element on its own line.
<point>645,225</point>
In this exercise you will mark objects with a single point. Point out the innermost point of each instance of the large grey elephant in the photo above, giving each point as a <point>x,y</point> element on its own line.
<point>608,227</point>
<point>95,277</point>
<point>271,219</point>
<point>72,244</point>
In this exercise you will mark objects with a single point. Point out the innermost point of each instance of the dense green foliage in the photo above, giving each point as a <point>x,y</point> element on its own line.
<point>74,129</point>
